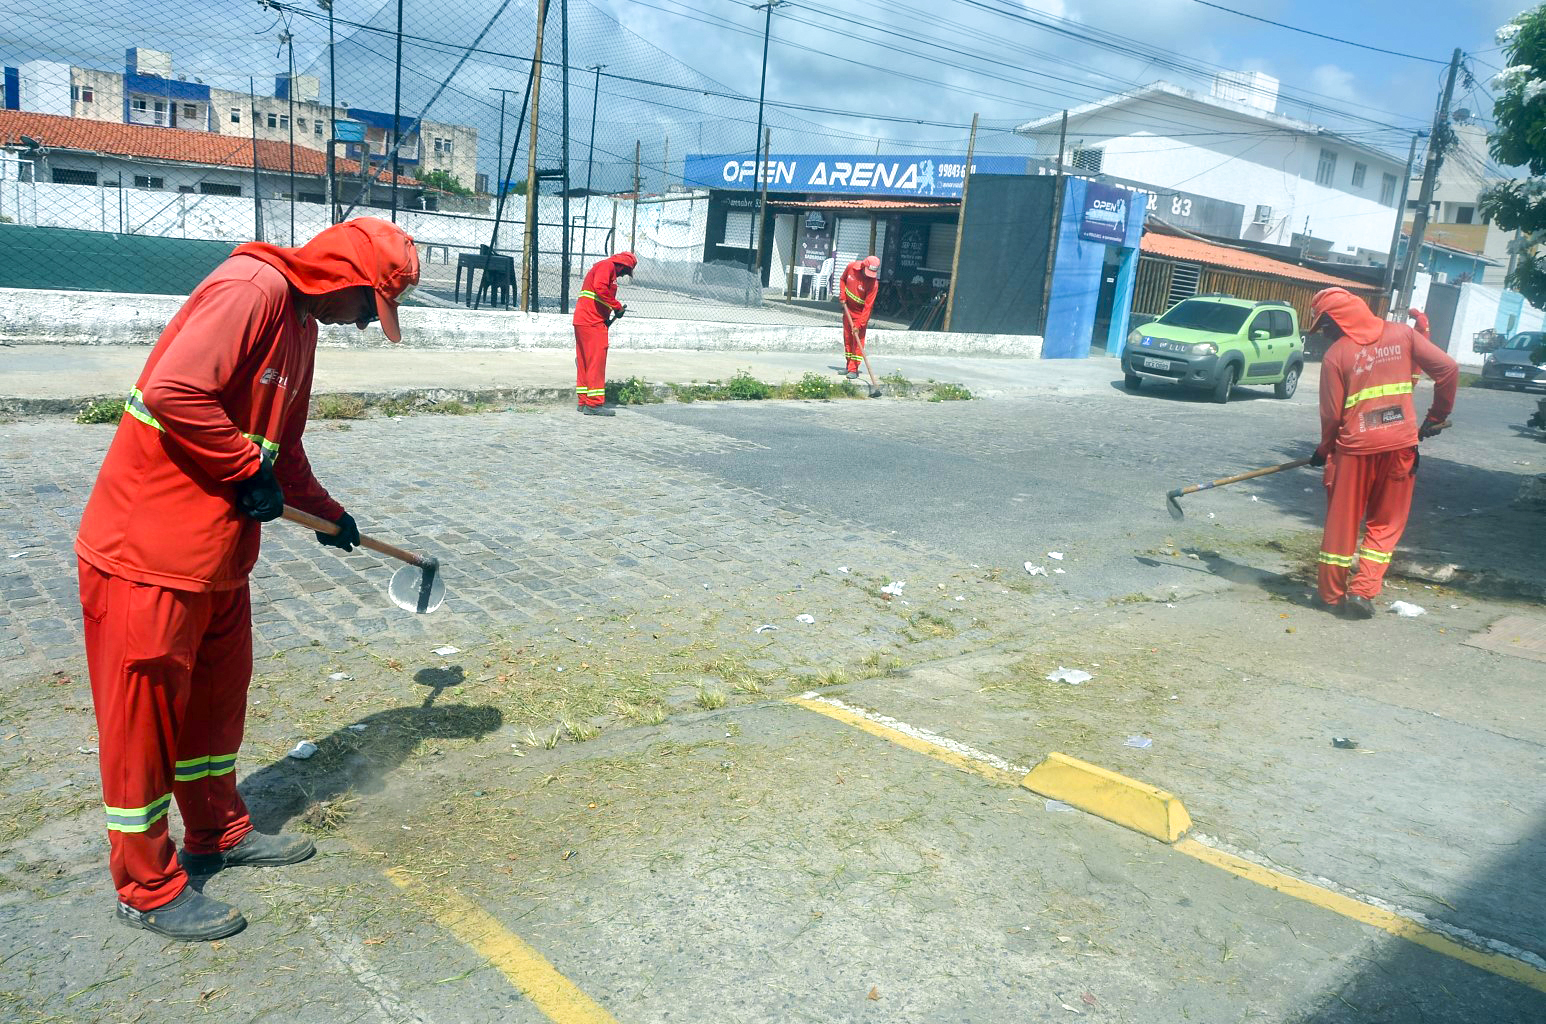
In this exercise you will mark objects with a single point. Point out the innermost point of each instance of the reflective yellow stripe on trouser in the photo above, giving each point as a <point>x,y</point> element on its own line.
<point>1404,388</point>
<point>1383,557</point>
<point>137,819</point>
<point>134,405</point>
<point>205,767</point>
<point>1346,561</point>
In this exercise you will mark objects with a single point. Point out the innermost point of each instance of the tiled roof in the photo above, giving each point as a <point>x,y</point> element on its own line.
<point>1194,251</point>
<point>151,142</point>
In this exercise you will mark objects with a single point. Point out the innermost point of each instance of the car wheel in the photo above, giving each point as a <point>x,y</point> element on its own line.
<point>1226,383</point>
<point>1286,387</point>
<point>1132,381</point>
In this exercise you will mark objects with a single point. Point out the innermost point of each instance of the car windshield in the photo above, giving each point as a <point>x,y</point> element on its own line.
<point>1526,341</point>
<point>1201,315</point>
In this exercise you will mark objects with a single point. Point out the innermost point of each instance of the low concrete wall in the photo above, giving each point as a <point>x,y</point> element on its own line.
<point>37,317</point>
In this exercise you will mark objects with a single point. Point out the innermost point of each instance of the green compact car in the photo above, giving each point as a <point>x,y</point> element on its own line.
<point>1214,342</point>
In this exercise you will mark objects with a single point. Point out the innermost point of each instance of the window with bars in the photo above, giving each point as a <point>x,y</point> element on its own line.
<point>70,176</point>
<point>1326,172</point>
<point>146,181</point>
<point>215,188</point>
<point>1359,171</point>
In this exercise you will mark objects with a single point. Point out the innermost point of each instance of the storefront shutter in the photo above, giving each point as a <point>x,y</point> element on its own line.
<point>853,239</point>
<point>738,228</point>
<point>942,246</point>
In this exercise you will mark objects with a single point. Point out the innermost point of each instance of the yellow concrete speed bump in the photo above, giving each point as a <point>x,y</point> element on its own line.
<point>1105,794</point>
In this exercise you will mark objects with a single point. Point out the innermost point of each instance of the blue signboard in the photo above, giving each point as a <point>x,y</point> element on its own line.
<point>348,131</point>
<point>1103,216</point>
<point>913,176</point>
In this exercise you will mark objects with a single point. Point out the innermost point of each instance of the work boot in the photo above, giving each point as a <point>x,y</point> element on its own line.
<point>1355,607</point>
<point>190,917</point>
<point>256,850</point>
<point>598,410</point>
<point>853,374</point>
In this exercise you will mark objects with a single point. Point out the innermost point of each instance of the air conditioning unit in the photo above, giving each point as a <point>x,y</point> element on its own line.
<point>1263,215</point>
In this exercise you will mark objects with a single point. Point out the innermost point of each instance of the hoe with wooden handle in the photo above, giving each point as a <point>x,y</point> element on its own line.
<point>420,591</point>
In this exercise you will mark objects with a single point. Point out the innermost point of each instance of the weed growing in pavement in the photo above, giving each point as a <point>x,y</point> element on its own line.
<point>877,664</point>
<point>710,698</point>
<point>900,386</point>
<point>395,406</point>
<point>580,730</point>
<point>931,624</point>
<point>835,677</point>
<point>812,385</point>
<point>103,410</point>
<point>337,407</point>
<point>847,389</point>
<point>746,388</point>
<point>947,392</point>
<point>694,392</point>
<point>633,391</point>
<point>451,407</point>
<point>552,741</point>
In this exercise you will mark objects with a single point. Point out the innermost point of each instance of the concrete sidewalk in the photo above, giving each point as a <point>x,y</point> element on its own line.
<point>59,378</point>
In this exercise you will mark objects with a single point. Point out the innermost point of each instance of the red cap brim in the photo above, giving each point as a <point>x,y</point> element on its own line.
<point>386,311</point>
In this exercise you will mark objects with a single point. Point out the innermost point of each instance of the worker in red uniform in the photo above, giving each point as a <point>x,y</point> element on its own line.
<point>595,310</point>
<point>208,448</point>
<point>1419,322</point>
<point>861,280</point>
<point>1369,435</point>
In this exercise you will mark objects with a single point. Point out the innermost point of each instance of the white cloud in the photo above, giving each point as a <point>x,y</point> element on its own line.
<point>1336,82</point>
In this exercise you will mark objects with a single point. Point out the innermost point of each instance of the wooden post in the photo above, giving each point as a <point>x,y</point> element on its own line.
<point>633,228</point>
<point>531,163</point>
<point>955,260</point>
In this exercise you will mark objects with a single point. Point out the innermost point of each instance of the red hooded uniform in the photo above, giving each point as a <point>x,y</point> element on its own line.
<point>861,280</point>
<point>596,309</point>
<point>165,552</point>
<point>1369,437</point>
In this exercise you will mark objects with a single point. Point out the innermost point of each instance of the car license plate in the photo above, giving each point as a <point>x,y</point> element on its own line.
<point>1506,373</point>
<point>1150,363</point>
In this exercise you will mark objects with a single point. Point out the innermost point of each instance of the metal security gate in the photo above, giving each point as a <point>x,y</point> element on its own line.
<point>853,240</point>
<point>1183,282</point>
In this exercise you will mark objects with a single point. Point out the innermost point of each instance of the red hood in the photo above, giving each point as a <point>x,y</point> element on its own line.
<point>1348,312</point>
<point>626,259</point>
<point>361,252</point>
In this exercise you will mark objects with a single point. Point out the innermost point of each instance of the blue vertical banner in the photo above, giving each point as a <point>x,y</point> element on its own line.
<point>1081,260</point>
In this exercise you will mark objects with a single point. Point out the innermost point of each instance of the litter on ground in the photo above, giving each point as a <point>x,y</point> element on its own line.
<point>302,750</point>
<point>339,677</point>
<point>1343,743</point>
<point>809,620</point>
<point>1035,570</point>
<point>1061,572</point>
<point>894,588</point>
<point>1141,742</point>
<point>447,649</point>
<point>842,568</point>
<point>1407,610</point>
<point>766,627</point>
<point>1058,805</point>
<point>1072,676</point>
<point>1055,554</point>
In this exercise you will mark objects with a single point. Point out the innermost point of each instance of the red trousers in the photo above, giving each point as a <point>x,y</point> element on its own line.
<point>590,363</point>
<point>854,328</point>
<point>169,674</point>
<point>1374,491</point>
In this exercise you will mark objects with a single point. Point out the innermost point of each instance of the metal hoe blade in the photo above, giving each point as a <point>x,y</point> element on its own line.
<point>1174,506</point>
<point>406,590</point>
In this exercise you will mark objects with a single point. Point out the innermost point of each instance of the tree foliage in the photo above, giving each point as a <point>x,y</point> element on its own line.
<point>445,181</point>
<point>1520,140</point>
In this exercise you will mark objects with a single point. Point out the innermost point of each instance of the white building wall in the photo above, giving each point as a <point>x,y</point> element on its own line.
<point>45,87</point>
<point>1169,145</point>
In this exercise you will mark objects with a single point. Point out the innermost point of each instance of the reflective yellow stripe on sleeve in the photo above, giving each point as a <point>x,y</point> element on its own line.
<point>134,405</point>
<point>851,296</point>
<point>1404,388</point>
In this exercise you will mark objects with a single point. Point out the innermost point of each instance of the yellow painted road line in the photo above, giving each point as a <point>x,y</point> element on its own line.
<point>957,755</point>
<point>559,999</point>
<point>1357,910</point>
<point>966,758</point>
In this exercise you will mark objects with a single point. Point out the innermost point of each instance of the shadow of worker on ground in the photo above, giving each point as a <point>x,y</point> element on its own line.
<point>355,758</point>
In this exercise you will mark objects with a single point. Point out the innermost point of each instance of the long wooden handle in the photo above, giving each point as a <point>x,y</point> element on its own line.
<point>321,525</point>
<point>1268,471</point>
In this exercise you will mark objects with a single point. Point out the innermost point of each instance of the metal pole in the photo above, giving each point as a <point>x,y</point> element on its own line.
<point>1430,178</point>
<point>757,232</point>
<point>955,260</point>
<point>527,263</point>
<point>1395,232</point>
<point>332,116</point>
<point>499,149</point>
<point>397,110</point>
<point>563,259</point>
<point>633,229</point>
<point>290,96</point>
<point>1057,221</point>
<point>590,162</point>
<point>257,194</point>
<point>520,126</point>
<point>767,31</point>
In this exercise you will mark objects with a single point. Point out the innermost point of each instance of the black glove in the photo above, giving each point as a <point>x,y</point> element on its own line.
<point>1319,458</point>
<point>617,314</point>
<point>260,496</point>
<point>347,537</point>
<point>1430,428</point>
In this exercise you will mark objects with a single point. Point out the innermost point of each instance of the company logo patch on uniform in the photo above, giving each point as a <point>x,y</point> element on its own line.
<point>1383,417</point>
<point>271,376</point>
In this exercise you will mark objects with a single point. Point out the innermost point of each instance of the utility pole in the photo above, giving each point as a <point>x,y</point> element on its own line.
<point>1436,141</point>
<point>767,146</point>
<point>1056,222</point>
<point>590,161</point>
<point>955,260</point>
<point>1395,234</point>
<point>762,93</point>
<point>563,258</point>
<point>332,116</point>
<point>633,229</point>
<point>397,110</point>
<point>527,269</point>
<point>257,195</point>
<point>289,40</point>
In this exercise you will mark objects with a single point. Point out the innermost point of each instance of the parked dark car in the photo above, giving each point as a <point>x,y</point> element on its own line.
<point>1517,362</point>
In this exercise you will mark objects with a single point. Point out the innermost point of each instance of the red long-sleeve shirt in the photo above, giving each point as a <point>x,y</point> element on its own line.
<point>230,376</point>
<point>858,291</point>
<point>598,295</point>
<point>1366,382</point>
